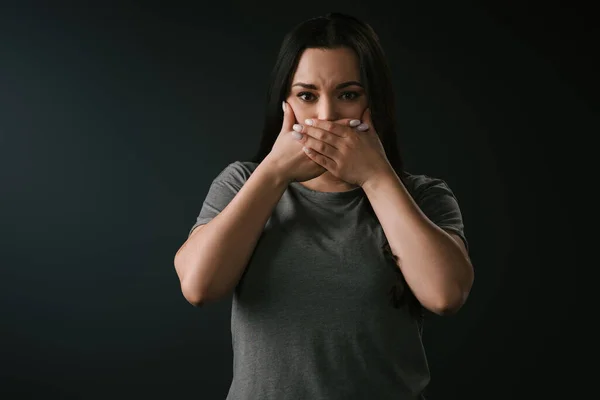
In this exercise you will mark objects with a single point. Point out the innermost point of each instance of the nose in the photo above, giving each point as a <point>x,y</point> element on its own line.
<point>326,110</point>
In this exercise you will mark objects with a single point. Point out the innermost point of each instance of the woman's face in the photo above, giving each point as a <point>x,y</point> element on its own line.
<point>327,86</point>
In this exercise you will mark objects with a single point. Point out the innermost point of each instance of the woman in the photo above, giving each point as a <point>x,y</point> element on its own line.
<point>332,251</point>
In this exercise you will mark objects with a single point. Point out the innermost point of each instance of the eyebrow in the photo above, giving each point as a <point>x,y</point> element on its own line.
<point>340,86</point>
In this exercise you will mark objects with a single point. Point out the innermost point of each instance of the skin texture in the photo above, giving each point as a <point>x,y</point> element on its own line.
<point>326,69</point>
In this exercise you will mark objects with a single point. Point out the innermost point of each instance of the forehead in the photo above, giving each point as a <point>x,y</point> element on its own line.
<point>323,66</point>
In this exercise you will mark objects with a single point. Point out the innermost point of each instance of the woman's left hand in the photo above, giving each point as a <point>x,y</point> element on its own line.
<point>352,154</point>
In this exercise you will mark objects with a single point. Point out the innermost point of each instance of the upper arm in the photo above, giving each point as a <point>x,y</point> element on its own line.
<point>196,230</point>
<point>440,205</point>
<point>458,240</point>
<point>222,190</point>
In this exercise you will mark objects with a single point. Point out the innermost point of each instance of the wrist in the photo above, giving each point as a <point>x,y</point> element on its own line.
<point>376,179</point>
<point>274,169</point>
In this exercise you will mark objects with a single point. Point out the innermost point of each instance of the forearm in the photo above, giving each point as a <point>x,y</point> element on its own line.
<point>433,264</point>
<point>212,261</point>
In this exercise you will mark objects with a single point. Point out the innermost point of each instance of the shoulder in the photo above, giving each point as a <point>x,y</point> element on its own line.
<point>422,185</point>
<point>237,172</point>
<point>437,201</point>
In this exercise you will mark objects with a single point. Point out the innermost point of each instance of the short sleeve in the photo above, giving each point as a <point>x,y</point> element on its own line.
<point>440,205</point>
<point>222,190</point>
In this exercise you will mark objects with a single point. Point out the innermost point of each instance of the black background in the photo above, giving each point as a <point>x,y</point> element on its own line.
<point>115,118</point>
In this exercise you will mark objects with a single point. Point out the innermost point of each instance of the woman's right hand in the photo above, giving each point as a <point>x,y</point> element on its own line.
<point>287,157</point>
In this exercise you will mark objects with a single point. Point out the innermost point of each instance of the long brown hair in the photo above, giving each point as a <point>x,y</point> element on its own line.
<point>330,31</point>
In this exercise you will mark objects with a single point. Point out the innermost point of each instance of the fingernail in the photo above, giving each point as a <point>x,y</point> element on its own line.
<point>354,122</point>
<point>297,135</point>
<point>283,105</point>
<point>297,128</point>
<point>308,121</point>
<point>362,127</point>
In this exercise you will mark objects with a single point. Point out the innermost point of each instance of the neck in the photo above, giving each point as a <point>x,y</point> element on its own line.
<point>328,183</point>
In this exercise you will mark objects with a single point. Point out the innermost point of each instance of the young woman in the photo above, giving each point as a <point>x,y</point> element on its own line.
<point>333,252</point>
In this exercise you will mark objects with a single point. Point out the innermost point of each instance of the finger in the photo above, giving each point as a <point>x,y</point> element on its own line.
<point>340,130</point>
<point>346,121</point>
<point>367,122</point>
<point>318,134</point>
<point>367,116</point>
<point>289,118</point>
<point>319,158</point>
<point>320,146</point>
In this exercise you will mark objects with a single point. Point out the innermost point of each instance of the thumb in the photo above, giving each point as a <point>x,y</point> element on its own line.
<point>366,118</point>
<point>289,118</point>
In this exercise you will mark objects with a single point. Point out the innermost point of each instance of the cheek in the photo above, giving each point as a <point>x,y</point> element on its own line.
<point>363,101</point>
<point>355,109</point>
<point>296,102</point>
<point>345,109</point>
<point>301,109</point>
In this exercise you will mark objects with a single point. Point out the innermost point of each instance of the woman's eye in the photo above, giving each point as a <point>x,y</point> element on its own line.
<point>353,96</point>
<point>345,96</point>
<point>304,94</point>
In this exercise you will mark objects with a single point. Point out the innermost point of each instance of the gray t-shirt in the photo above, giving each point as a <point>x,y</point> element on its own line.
<point>311,316</point>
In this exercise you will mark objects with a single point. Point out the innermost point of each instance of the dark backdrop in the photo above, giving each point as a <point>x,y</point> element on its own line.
<point>116,118</point>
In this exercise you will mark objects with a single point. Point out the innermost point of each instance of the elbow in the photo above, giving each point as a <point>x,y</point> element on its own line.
<point>456,296</point>
<point>451,302</point>
<point>192,296</point>
<point>192,293</point>
<point>196,303</point>
<point>448,305</point>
